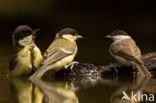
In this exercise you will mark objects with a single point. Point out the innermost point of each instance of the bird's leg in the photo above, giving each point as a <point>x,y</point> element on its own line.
<point>71,65</point>
<point>135,70</point>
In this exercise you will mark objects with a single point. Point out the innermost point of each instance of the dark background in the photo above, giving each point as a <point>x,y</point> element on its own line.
<point>92,18</point>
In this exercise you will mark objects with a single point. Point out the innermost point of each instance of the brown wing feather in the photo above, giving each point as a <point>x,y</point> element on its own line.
<point>127,49</point>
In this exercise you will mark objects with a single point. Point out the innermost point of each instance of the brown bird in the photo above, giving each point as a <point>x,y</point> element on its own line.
<point>125,51</point>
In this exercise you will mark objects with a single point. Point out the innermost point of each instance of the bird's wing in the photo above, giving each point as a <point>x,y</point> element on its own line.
<point>127,56</point>
<point>128,51</point>
<point>56,55</point>
<point>13,63</point>
<point>58,50</point>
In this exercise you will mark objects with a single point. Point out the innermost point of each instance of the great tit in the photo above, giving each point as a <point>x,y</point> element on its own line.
<point>60,53</point>
<point>28,56</point>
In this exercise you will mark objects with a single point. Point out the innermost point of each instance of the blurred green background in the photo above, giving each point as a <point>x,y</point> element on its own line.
<point>92,18</point>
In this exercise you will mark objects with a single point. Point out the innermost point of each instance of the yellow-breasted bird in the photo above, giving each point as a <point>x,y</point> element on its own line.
<point>125,51</point>
<point>60,53</point>
<point>24,91</point>
<point>28,56</point>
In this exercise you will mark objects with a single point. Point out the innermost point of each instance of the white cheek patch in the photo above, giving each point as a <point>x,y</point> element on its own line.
<point>68,36</point>
<point>26,40</point>
<point>121,37</point>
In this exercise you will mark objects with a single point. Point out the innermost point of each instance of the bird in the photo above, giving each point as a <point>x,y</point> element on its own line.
<point>24,91</point>
<point>56,91</point>
<point>28,56</point>
<point>125,51</point>
<point>60,53</point>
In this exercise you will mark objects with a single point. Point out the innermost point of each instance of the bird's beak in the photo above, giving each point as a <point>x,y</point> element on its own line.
<point>79,36</point>
<point>108,36</point>
<point>35,31</point>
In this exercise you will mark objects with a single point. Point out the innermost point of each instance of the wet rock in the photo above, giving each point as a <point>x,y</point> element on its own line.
<point>113,70</point>
<point>85,73</point>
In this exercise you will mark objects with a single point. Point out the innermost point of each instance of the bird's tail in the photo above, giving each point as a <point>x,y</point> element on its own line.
<point>143,70</point>
<point>39,73</point>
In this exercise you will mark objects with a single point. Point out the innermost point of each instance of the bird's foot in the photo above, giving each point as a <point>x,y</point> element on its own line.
<point>71,65</point>
<point>135,71</point>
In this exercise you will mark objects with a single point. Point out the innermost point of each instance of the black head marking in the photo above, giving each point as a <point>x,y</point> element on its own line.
<point>21,32</point>
<point>118,32</point>
<point>67,31</point>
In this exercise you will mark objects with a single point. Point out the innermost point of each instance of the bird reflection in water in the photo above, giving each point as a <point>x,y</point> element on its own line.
<point>24,91</point>
<point>57,91</point>
<point>129,92</point>
<point>42,91</point>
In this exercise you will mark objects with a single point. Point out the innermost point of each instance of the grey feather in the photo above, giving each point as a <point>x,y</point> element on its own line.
<point>58,50</point>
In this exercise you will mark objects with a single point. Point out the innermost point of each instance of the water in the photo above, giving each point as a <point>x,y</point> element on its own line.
<point>85,90</point>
